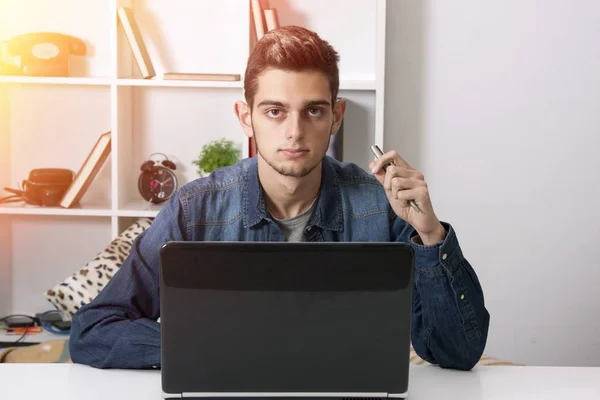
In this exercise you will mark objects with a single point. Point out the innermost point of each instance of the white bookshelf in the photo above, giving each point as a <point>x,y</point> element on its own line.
<point>54,122</point>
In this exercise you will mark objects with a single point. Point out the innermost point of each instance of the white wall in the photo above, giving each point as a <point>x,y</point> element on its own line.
<point>496,102</point>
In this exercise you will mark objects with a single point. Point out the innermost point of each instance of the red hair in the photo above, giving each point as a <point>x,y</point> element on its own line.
<point>291,48</point>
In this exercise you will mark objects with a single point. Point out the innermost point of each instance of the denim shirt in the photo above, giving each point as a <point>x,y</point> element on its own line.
<point>119,328</point>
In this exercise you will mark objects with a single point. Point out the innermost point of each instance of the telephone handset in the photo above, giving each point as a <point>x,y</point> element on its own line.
<point>45,53</point>
<point>7,66</point>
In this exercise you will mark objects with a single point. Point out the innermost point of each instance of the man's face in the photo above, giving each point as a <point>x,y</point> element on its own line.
<point>292,120</point>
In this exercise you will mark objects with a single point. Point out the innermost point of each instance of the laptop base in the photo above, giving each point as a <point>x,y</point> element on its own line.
<point>286,396</point>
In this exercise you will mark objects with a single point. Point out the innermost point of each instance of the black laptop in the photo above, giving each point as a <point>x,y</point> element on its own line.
<point>285,320</point>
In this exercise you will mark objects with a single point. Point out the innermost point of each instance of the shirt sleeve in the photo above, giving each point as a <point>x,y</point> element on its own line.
<point>119,328</point>
<point>450,321</point>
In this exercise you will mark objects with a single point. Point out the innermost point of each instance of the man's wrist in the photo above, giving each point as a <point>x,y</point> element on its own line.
<point>434,237</point>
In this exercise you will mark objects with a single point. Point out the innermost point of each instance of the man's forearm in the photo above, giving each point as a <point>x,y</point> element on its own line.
<point>106,339</point>
<point>118,329</point>
<point>450,321</point>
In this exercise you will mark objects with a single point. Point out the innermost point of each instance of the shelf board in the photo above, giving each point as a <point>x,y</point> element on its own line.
<point>368,84</point>
<point>42,80</point>
<point>158,82</point>
<point>31,337</point>
<point>139,208</point>
<point>89,209</point>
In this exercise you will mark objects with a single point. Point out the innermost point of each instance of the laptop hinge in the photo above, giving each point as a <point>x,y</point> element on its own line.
<point>291,396</point>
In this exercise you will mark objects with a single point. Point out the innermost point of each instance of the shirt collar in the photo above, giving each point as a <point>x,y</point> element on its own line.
<point>328,209</point>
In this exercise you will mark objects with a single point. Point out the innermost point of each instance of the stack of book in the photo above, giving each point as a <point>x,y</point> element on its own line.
<point>265,19</point>
<point>143,60</point>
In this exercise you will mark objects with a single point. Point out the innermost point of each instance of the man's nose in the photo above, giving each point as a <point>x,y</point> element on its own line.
<point>295,128</point>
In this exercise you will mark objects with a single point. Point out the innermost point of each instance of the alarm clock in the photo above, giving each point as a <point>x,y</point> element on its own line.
<point>157,181</point>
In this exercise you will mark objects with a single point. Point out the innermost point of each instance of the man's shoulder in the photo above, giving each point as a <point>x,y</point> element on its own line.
<point>350,173</point>
<point>220,181</point>
<point>360,191</point>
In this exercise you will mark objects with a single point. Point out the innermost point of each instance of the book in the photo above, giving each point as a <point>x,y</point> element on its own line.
<point>271,19</point>
<point>88,171</point>
<point>201,76</point>
<point>336,144</point>
<point>136,42</point>
<point>251,147</point>
<point>257,14</point>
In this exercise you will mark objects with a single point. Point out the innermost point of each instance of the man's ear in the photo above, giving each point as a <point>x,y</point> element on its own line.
<point>242,111</point>
<point>339,109</point>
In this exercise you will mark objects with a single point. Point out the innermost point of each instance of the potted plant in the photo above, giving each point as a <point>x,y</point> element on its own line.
<point>216,154</point>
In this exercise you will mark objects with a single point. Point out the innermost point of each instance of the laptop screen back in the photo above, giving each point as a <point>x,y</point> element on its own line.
<point>285,317</point>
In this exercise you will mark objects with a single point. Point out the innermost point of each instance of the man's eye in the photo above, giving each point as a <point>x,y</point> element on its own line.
<point>315,112</point>
<point>273,112</point>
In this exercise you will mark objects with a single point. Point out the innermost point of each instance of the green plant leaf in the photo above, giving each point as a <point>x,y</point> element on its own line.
<point>217,154</point>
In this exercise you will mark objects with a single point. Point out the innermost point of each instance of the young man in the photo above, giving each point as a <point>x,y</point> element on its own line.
<point>292,191</point>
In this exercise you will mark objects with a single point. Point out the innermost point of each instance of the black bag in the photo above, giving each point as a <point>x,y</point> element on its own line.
<point>44,187</point>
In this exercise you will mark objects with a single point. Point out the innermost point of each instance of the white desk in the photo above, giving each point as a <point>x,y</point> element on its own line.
<point>75,382</point>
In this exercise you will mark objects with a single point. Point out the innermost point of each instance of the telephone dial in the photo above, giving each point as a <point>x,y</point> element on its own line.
<point>44,53</point>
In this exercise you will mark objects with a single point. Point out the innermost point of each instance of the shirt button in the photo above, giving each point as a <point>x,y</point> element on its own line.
<point>444,256</point>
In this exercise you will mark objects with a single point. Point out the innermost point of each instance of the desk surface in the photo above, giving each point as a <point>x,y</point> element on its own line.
<point>74,382</point>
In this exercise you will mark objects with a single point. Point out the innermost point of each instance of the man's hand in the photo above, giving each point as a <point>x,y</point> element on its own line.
<point>402,183</point>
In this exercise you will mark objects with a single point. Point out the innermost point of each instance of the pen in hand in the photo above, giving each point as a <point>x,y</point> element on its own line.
<point>378,153</point>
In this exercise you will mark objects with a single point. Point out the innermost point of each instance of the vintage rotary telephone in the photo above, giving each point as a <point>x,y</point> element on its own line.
<point>44,187</point>
<point>43,53</point>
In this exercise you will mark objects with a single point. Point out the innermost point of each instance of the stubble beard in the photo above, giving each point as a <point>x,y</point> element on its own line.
<point>290,171</point>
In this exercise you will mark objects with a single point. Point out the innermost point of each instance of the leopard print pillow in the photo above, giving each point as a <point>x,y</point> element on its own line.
<point>84,285</point>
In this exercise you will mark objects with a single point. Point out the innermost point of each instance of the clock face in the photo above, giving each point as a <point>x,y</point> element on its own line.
<point>157,185</point>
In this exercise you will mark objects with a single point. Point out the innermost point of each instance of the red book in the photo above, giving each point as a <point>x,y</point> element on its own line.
<point>251,149</point>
